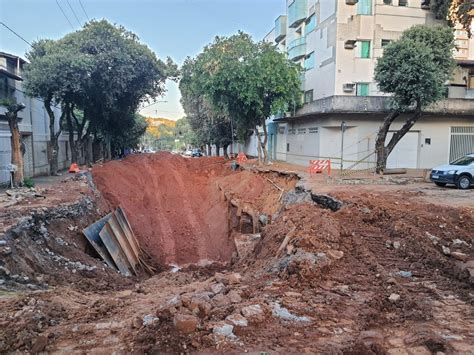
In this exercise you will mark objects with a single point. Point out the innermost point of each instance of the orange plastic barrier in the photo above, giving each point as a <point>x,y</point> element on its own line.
<point>241,157</point>
<point>74,168</point>
<point>317,166</point>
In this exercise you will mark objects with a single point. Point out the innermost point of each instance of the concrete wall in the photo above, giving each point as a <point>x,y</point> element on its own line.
<point>359,140</point>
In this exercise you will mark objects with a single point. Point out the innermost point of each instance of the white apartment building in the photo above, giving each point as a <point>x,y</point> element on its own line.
<point>337,42</point>
<point>34,124</point>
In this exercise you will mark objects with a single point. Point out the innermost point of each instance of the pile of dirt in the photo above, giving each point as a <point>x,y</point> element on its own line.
<point>385,273</point>
<point>173,205</point>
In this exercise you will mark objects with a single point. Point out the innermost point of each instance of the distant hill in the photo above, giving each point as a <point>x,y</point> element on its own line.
<point>159,127</point>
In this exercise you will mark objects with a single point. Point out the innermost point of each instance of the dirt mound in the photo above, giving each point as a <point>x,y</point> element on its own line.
<point>173,204</point>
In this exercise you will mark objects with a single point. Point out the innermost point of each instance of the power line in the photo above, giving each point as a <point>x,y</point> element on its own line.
<point>85,13</point>
<point>74,13</point>
<point>64,14</point>
<point>16,34</point>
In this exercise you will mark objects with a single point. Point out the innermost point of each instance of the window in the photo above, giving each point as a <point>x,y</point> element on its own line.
<point>301,130</point>
<point>310,24</point>
<point>309,61</point>
<point>365,49</point>
<point>364,7</point>
<point>291,131</point>
<point>308,96</point>
<point>362,89</point>
<point>385,42</point>
<point>387,2</point>
<point>313,129</point>
<point>3,87</point>
<point>281,130</point>
<point>402,2</point>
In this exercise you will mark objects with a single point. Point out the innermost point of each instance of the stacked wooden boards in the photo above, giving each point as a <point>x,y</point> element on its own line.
<point>113,239</point>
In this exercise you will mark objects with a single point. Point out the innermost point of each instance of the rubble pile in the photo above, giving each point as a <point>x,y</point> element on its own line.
<point>346,271</point>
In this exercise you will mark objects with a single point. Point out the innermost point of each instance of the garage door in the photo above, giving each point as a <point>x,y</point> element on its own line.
<point>405,153</point>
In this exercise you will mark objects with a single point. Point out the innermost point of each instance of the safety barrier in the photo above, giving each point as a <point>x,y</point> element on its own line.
<point>241,157</point>
<point>317,166</point>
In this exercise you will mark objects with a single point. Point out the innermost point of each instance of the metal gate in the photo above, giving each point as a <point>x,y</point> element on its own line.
<point>462,142</point>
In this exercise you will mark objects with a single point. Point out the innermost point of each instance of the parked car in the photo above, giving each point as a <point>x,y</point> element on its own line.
<point>196,152</point>
<point>460,173</point>
<point>188,153</point>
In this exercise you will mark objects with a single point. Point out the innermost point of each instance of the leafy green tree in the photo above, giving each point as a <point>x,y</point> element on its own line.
<point>130,137</point>
<point>55,74</point>
<point>414,70</point>
<point>99,74</point>
<point>244,82</point>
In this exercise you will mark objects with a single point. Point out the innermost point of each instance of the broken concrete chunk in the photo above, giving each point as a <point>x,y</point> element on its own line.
<point>237,320</point>
<point>394,297</point>
<point>254,313</point>
<point>435,240</point>
<point>460,256</point>
<point>220,300</point>
<point>284,313</point>
<point>224,329</point>
<point>217,288</point>
<point>234,296</point>
<point>186,323</point>
<point>150,319</point>
<point>228,279</point>
<point>446,250</point>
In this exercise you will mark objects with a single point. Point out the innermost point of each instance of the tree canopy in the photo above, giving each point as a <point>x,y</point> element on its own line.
<point>237,83</point>
<point>414,69</point>
<point>103,70</point>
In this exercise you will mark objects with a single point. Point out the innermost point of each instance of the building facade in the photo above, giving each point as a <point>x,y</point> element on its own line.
<point>337,43</point>
<point>34,124</point>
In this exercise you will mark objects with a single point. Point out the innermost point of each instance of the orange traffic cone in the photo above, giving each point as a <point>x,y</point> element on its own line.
<point>74,168</point>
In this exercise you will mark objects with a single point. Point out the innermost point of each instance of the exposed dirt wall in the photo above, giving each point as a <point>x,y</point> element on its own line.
<point>173,204</point>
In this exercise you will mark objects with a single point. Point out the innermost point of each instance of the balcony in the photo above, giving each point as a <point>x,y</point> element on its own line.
<point>297,49</point>
<point>297,13</point>
<point>280,28</point>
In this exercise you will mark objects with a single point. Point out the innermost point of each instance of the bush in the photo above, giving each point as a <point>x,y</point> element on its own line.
<point>28,182</point>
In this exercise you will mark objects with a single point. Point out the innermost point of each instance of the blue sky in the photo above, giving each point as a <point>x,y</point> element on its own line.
<point>175,28</point>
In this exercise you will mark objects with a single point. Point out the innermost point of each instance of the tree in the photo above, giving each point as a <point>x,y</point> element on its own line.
<point>17,156</point>
<point>244,82</point>
<point>99,74</point>
<point>414,70</point>
<point>55,74</point>
<point>455,11</point>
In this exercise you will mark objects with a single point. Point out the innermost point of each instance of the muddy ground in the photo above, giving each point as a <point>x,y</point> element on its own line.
<point>258,265</point>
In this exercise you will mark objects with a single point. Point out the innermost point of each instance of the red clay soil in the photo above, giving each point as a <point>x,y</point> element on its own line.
<point>173,204</point>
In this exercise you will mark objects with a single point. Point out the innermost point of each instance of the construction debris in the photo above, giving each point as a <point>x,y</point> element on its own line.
<point>113,239</point>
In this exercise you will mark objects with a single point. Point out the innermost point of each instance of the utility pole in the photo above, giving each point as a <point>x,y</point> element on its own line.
<point>343,130</point>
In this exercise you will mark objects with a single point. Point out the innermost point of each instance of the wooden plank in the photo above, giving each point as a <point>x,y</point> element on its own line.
<point>113,246</point>
<point>119,234</point>
<point>92,235</point>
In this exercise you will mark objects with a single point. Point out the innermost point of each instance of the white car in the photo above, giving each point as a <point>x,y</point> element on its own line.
<point>460,173</point>
<point>188,153</point>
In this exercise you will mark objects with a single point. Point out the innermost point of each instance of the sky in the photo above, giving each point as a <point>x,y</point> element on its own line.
<point>174,28</point>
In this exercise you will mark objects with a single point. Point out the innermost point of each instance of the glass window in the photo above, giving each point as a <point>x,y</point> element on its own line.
<point>365,49</point>
<point>309,61</point>
<point>402,2</point>
<point>364,7</point>
<point>310,24</point>
<point>301,130</point>
<point>362,89</point>
<point>387,2</point>
<point>308,96</point>
<point>3,87</point>
<point>385,42</point>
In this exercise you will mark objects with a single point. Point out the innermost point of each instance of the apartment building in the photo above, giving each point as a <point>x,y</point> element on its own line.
<point>337,42</point>
<point>34,124</point>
